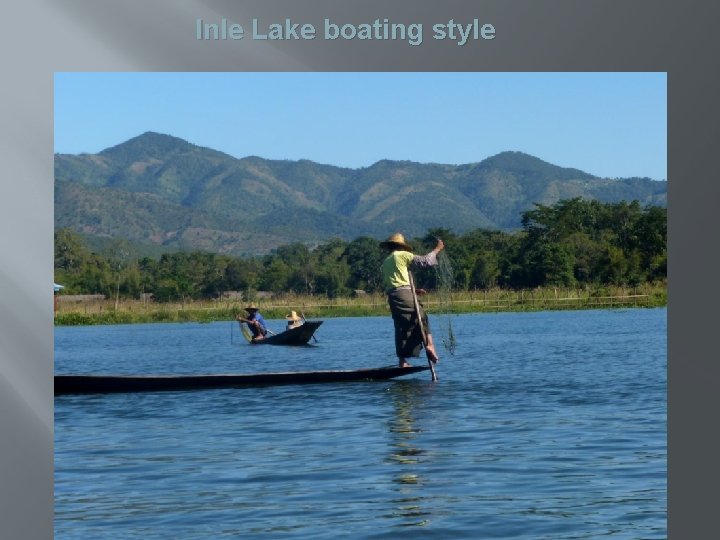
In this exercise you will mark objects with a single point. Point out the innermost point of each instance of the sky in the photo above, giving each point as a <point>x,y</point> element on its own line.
<point>612,125</point>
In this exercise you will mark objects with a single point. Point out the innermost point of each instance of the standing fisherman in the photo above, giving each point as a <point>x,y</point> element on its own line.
<point>396,281</point>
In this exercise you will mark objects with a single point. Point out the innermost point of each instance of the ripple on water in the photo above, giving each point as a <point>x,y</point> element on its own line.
<point>543,425</point>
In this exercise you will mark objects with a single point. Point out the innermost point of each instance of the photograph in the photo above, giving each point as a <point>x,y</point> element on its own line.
<point>360,304</point>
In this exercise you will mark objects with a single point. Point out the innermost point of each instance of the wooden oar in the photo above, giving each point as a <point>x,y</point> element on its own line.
<point>422,326</point>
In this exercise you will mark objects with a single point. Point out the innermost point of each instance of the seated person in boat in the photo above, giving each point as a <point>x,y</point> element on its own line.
<point>293,321</point>
<point>256,323</point>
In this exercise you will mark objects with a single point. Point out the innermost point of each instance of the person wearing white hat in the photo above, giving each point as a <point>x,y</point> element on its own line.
<point>293,321</point>
<point>409,337</point>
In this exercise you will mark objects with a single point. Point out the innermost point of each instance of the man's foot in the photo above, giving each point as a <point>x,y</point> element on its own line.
<point>404,363</point>
<point>430,350</point>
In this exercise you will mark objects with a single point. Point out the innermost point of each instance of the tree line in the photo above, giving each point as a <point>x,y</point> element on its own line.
<point>573,243</point>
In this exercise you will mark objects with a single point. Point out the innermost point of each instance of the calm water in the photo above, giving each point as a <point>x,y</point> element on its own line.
<point>544,425</point>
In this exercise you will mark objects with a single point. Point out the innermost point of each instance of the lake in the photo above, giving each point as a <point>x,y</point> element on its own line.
<point>545,425</point>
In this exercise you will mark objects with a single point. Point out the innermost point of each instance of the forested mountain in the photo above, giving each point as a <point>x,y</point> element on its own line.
<point>162,190</point>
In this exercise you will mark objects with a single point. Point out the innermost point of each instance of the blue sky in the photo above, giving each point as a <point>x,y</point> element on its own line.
<point>606,124</point>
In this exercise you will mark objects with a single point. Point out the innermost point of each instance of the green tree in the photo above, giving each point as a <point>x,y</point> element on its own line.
<point>179,276</point>
<point>486,269</point>
<point>215,281</point>
<point>243,274</point>
<point>614,265</point>
<point>551,263</point>
<point>70,252</point>
<point>302,274</point>
<point>333,271</point>
<point>167,290</point>
<point>572,241</point>
<point>132,283</point>
<point>276,274</point>
<point>147,268</point>
<point>118,255</point>
<point>96,277</point>
<point>625,218</point>
<point>364,257</point>
<point>587,252</point>
<point>651,233</point>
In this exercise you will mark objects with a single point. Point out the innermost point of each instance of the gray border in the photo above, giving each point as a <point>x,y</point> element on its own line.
<point>45,36</point>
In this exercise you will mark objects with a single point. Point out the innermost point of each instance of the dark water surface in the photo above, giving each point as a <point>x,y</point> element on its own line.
<point>544,425</point>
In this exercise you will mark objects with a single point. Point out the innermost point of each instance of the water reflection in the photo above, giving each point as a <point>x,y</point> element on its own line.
<point>408,397</point>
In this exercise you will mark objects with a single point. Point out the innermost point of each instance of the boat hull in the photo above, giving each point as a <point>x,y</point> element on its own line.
<point>94,384</point>
<point>295,336</point>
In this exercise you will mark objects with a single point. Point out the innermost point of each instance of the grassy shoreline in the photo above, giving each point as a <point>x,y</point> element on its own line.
<point>96,312</point>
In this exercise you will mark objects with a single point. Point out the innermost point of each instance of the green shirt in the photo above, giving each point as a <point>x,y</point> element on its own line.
<point>395,267</point>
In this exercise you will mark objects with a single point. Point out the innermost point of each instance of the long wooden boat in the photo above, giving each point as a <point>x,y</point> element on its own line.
<point>295,336</point>
<point>93,384</point>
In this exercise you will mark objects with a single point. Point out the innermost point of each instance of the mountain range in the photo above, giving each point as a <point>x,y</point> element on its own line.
<point>160,190</point>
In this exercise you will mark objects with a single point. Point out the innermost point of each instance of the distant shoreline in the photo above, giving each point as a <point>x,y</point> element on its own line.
<point>96,312</point>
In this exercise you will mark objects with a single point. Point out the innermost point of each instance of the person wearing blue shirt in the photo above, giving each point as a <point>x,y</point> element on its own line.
<point>255,322</point>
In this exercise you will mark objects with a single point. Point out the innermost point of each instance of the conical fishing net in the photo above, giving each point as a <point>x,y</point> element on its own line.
<point>445,278</point>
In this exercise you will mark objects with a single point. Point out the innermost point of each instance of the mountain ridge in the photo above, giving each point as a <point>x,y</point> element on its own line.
<point>179,186</point>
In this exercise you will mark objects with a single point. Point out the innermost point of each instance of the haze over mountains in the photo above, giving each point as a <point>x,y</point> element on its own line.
<point>159,189</point>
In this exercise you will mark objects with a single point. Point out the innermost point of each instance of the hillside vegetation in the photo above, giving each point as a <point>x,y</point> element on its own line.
<point>162,194</point>
<point>571,244</point>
